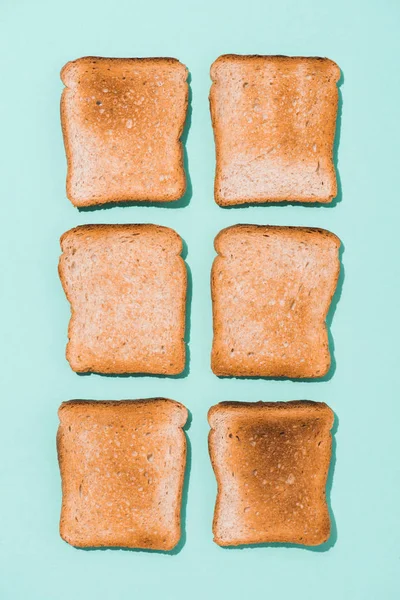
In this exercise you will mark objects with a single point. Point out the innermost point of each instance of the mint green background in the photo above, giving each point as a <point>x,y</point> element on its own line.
<point>36,39</point>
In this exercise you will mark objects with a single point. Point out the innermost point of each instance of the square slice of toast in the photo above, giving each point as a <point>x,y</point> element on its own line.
<point>274,120</point>
<point>122,466</point>
<point>271,462</point>
<point>122,120</point>
<point>271,290</point>
<point>127,288</point>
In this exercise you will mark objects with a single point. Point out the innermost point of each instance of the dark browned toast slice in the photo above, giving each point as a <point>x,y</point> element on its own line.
<point>271,462</point>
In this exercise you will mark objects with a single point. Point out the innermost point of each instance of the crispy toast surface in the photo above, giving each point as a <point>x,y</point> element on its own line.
<point>274,121</point>
<point>126,285</point>
<point>122,466</point>
<point>122,120</point>
<point>271,462</point>
<point>271,290</point>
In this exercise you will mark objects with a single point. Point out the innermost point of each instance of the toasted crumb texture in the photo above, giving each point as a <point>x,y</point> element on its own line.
<point>127,288</point>
<point>271,290</point>
<point>271,462</point>
<point>274,120</point>
<point>122,468</point>
<point>122,119</point>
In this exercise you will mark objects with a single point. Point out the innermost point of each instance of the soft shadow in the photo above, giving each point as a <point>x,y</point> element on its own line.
<point>339,194</point>
<point>329,319</point>
<point>332,309</point>
<point>333,536</point>
<point>337,143</point>
<point>182,202</point>
<point>188,321</point>
<point>185,491</point>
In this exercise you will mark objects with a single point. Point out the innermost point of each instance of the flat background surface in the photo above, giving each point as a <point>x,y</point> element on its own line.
<point>36,39</point>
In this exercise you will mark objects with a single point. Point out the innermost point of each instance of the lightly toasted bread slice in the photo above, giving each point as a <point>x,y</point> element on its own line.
<point>271,462</point>
<point>122,466</point>
<point>274,120</point>
<point>271,291</point>
<point>126,285</point>
<point>122,120</point>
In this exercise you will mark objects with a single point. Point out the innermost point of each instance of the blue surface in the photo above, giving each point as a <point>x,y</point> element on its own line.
<point>36,39</point>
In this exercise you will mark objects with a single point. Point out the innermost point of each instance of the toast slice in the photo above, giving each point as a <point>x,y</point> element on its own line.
<point>122,120</point>
<point>122,468</point>
<point>274,120</point>
<point>271,292</point>
<point>127,288</point>
<point>271,462</point>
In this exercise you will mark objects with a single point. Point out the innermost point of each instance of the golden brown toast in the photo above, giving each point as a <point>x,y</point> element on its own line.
<point>122,468</point>
<point>127,288</point>
<point>271,290</point>
<point>122,119</point>
<point>274,120</point>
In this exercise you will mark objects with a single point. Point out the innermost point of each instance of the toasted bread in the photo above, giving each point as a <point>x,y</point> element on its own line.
<point>127,288</point>
<point>122,468</point>
<point>122,119</point>
<point>271,292</point>
<point>274,120</point>
<point>271,462</point>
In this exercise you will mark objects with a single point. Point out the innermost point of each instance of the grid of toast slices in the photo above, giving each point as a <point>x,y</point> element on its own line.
<point>123,463</point>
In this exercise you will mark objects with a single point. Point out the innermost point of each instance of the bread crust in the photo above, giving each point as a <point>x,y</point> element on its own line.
<point>122,121</point>
<point>271,463</point>
<point>274,122</point>
<point>127,286</point>
<point>271,291</point>
<point>122,466</point>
